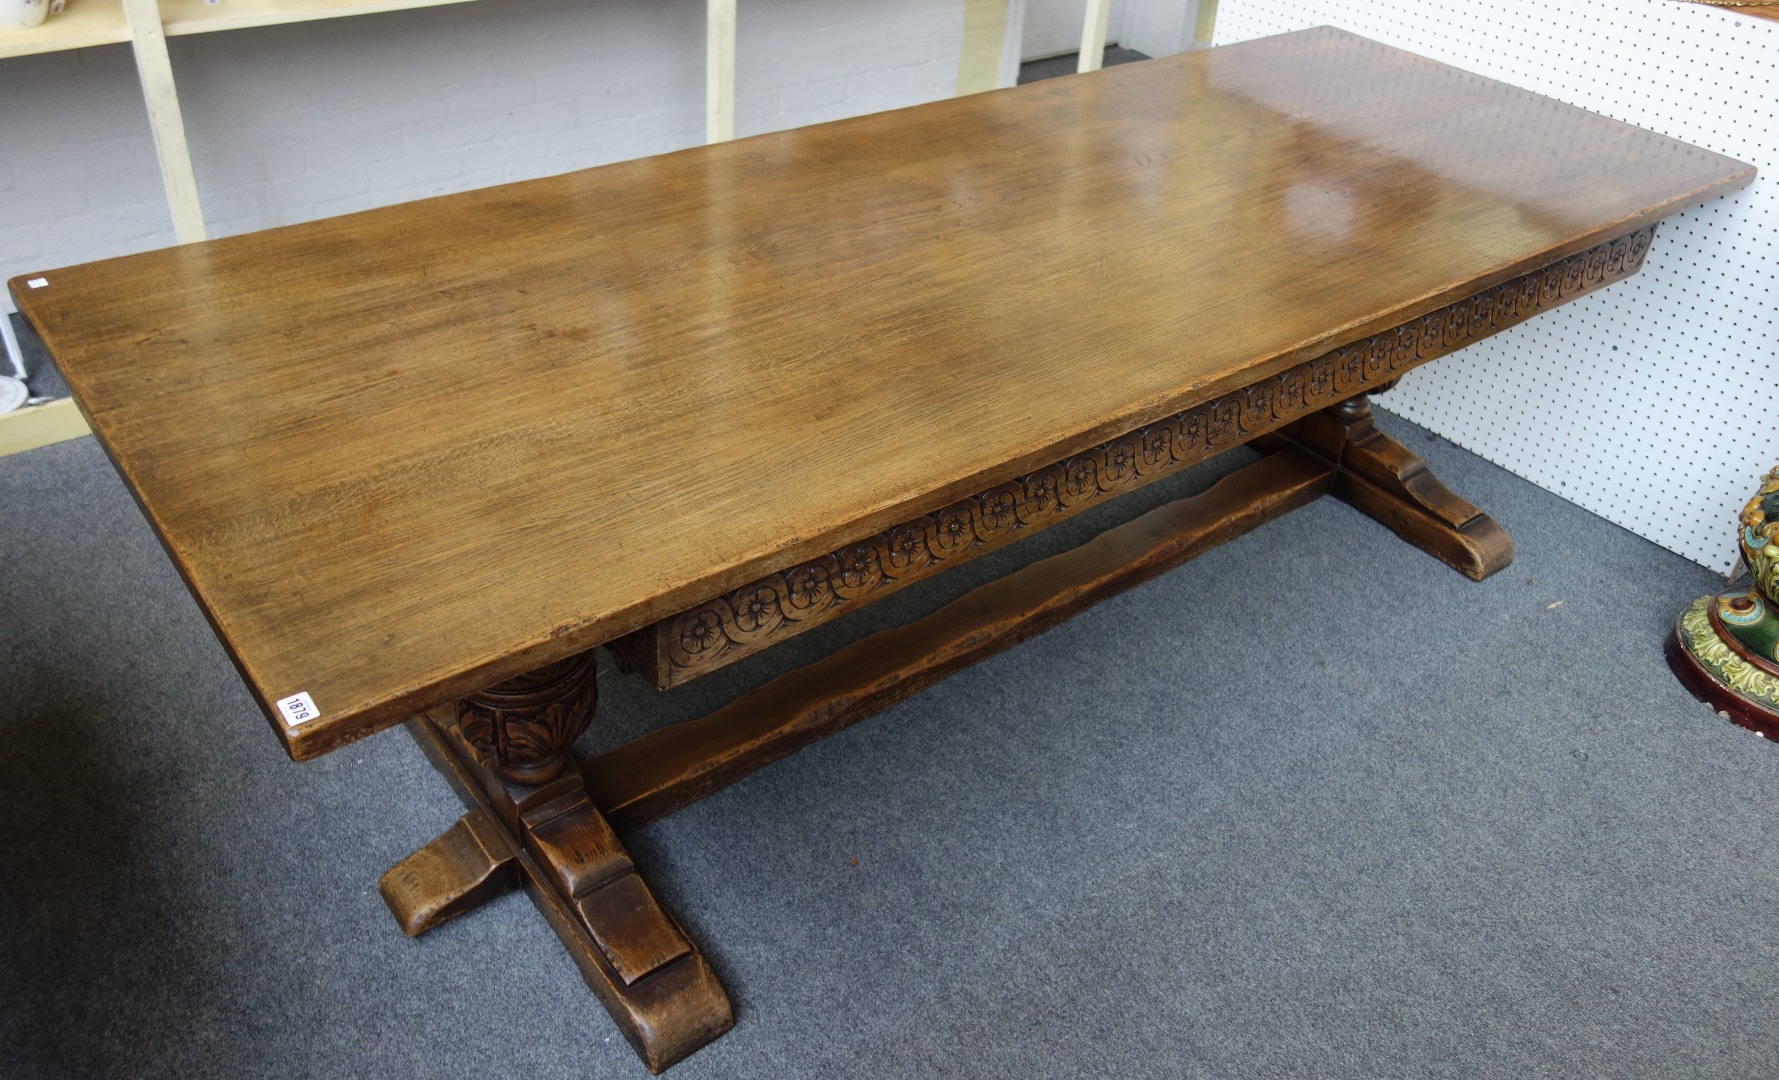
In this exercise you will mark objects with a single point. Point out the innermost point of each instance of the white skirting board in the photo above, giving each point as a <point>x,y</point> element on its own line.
<point>1650,403</point>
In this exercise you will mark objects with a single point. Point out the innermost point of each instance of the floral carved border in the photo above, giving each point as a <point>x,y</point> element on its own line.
<point>782,604</point>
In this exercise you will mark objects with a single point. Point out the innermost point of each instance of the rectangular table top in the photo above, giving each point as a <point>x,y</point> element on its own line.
<point>402,454</point>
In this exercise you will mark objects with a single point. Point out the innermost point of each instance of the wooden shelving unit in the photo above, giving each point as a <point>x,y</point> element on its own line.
<point>145,26</point>
<point>85,23</point>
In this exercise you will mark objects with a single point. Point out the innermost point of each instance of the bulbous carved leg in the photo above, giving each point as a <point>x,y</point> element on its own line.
<point>1382,478</point>
<point>507,748</point>
<point>527,725</point>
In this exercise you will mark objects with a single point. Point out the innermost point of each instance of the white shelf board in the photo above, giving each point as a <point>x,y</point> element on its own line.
<point>198,17</point>
<point>81,24</point>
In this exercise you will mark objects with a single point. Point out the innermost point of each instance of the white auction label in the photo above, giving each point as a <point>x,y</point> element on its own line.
<point>298,709</point>
<point>38,282</point>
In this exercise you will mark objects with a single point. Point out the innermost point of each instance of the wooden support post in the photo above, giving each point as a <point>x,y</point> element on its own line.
<point>1206,24</point>
<point>719,72</point>
<point>982,54</point>
<point>156,72</point>
<point>1012,43</point>
<point>1093,36</point>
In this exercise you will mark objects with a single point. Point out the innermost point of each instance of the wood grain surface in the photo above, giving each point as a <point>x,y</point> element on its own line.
<point>404,454</point>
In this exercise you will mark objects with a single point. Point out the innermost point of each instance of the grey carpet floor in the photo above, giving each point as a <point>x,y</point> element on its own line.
<point>1053,67</point>
<point>1310,806</point>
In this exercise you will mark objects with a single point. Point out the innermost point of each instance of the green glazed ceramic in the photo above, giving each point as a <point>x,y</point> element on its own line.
<point>1725,648</point>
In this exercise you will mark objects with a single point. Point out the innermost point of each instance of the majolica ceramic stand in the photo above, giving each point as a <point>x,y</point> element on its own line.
<point>1725,648</point>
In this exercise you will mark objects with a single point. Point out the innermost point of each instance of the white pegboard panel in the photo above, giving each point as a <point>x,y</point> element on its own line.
<point>1649,402</point>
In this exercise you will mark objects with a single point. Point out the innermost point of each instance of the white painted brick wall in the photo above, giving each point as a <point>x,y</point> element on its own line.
<point>292,123</point>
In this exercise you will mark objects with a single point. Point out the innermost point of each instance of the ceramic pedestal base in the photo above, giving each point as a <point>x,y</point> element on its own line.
<point>1720,671</point>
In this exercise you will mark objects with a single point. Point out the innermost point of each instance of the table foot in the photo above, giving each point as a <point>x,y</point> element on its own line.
<point>468,864</point>
<point>1381,478</point>
<point>505,751</point>
<point>631,952</point>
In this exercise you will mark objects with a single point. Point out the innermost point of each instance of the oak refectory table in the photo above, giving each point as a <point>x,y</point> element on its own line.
<point>417,463</point>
